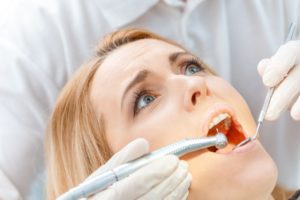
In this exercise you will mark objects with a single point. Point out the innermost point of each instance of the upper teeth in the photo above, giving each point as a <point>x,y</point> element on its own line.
<point>218,119</point>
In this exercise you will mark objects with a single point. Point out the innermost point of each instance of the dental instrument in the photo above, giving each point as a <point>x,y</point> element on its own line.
<point>179,149</point>
<point>267,101</point>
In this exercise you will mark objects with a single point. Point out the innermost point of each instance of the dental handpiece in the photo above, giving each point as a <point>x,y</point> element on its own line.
<point>179,149</point>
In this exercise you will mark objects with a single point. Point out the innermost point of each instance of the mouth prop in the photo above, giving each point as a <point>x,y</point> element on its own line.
<point>226,124</point>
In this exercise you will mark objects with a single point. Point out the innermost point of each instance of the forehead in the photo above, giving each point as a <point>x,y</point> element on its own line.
<point>124,62</point>
<point>136,55</point>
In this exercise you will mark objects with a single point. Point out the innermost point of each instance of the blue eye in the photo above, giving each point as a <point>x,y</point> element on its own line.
<point>142,101</point>
<point>192,69</point>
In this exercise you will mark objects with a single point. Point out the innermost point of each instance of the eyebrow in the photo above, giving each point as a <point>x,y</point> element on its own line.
<point>144,74</point>
<point>138,78</point>
<point>174,56</point>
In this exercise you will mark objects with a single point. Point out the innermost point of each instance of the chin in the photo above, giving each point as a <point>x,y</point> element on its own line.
<point>249,174</point>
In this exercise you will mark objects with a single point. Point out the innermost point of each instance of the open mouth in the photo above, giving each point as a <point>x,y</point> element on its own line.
<point>230,127</point>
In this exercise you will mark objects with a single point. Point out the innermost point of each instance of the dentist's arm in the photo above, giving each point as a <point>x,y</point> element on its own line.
<point>165,178</point>
<point>283,69</point>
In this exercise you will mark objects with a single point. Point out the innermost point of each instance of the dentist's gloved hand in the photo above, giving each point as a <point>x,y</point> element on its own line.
<point>283,69</point>
<point>164,178</point>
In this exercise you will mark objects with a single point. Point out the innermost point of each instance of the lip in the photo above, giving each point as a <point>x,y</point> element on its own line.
<point>216,110</point>
<point>245,148</point>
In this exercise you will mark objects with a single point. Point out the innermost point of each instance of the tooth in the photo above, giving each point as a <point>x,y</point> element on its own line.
<point>218,119</point>
<point>227,124</point>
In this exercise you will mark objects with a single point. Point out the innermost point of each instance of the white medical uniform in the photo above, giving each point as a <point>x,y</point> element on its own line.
<point>43,42</point>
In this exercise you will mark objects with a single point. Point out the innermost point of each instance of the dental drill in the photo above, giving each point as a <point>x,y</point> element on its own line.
<point>179,149</point>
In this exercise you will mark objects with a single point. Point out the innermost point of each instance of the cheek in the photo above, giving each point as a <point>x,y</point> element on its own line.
<point>160,133</point>
<point>117,135</point>
<point>231,96</point>
<point>225,91</point>
<point>160,125</point>
<point>164,125</point>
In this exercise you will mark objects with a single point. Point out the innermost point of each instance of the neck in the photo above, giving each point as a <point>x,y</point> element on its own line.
<point>267,197</point>
<point>270,197</point>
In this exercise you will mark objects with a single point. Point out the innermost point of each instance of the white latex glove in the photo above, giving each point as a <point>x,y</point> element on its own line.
<point>164,178</point>
<point>283,66</point>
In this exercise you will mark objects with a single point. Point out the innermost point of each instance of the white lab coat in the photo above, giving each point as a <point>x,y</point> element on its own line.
<point>43,42</point>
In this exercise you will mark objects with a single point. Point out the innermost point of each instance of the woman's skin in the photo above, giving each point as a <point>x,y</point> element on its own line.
<point>177,99</point>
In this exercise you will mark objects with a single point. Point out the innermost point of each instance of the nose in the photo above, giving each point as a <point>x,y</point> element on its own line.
<point>196,91</point>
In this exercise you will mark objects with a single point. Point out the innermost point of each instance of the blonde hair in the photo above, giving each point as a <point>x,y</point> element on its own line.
<point>76,142</point>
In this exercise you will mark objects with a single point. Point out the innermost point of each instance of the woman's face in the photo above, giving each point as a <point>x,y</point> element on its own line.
<point>158,91</point>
